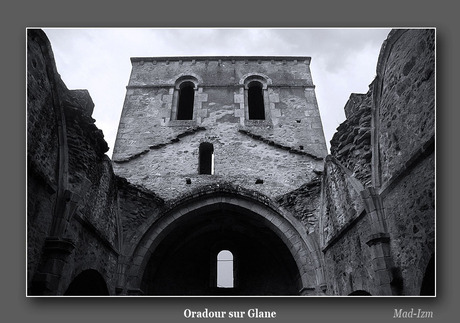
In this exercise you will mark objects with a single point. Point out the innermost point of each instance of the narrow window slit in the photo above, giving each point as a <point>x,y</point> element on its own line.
<point>206,158</point>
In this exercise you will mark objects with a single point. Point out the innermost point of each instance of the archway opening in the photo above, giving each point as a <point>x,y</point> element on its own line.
<point>185,262</point>
<point>87,283</point>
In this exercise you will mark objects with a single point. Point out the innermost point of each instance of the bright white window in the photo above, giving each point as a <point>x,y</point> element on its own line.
<point>225,269</point>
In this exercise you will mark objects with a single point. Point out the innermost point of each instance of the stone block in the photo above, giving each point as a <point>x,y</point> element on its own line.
<point>316,125</point>
<point>203,113</point>
<point>383,276</point>
<point>167,98</point>
<point>238,98</point>
<point>274,97</point>
<point>239,113</point>
<point>276,113</point>
<point>202,97</point>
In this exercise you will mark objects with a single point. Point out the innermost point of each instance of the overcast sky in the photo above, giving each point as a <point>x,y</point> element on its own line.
<point>98,59</point>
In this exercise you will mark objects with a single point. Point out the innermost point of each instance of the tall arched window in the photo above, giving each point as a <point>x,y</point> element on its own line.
<point>225,269</point>
<point>256,101</point>
<point>186,100</point>
<point>206,158</point>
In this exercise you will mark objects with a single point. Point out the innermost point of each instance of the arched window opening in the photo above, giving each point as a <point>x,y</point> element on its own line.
<point>225,269</point>
<point>256,101</point>
<point>206,159</point>
<point>186,99</point>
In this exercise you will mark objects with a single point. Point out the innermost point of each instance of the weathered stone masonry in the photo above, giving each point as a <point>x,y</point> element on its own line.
<point>298,222</point>
<point>290,139</point>
<point>384,152</point>
<point>258,159</point>
<point>72,221</point>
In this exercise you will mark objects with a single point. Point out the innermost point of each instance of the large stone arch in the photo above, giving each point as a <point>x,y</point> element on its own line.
<point>291,245</point>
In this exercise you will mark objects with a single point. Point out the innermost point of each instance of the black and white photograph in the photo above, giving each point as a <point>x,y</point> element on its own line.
<point>231,162</point>
<point>213,161</point>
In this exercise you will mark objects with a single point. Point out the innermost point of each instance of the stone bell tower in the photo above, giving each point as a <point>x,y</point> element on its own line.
<point>193,121</point>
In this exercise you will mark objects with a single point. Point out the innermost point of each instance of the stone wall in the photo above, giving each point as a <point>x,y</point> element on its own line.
<point>342,203</point>
<point>378,188</point>
<point>148,134</point>
<point>238,158</point>
<point>42,151</point>
<point>406,120</point>
<point>406,113</point>
<point>351,144</point>
<point>304,203</point>
<point>136,205</point>
<point>72,218</point>
<point>161,154</point>
<point>409,210</point>
<point>348,265</point>
<point>219,70</point>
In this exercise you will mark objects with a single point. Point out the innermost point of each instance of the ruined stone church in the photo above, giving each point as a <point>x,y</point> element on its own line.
<point>220,181</point>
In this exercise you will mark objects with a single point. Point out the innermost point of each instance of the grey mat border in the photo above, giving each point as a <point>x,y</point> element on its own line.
<point>22,14</point>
